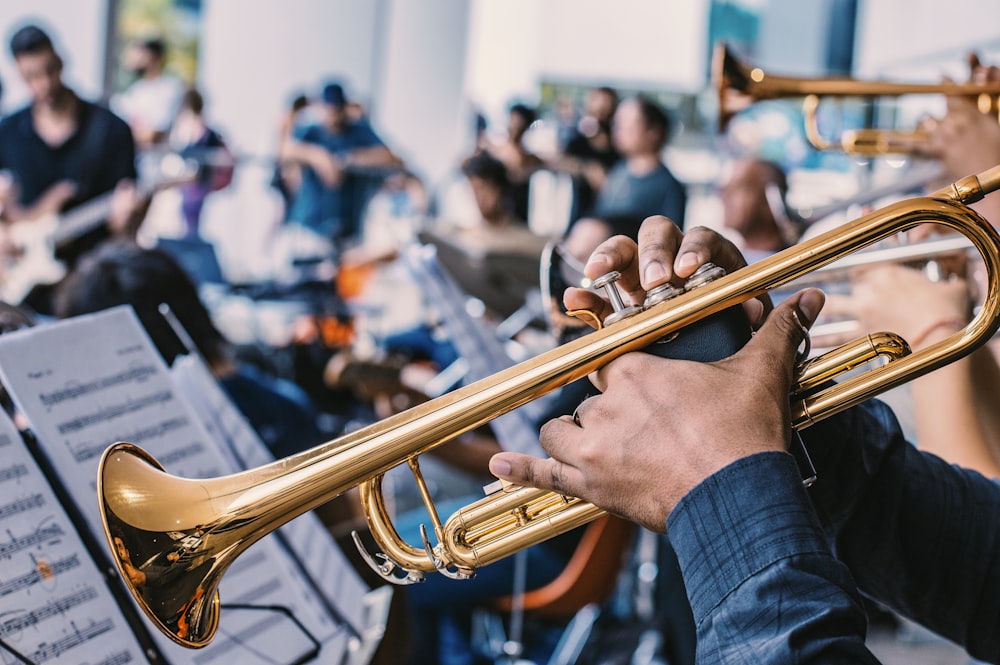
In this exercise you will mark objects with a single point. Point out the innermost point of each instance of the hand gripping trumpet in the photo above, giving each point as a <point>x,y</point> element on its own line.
<point>173,538</point>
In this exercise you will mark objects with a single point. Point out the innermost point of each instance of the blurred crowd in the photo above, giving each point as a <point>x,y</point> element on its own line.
<point>369,335</point>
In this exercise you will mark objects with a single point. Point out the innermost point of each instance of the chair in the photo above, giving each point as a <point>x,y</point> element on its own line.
<point>586,582</point>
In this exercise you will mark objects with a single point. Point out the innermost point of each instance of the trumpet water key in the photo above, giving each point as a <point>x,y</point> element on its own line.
<point>174,538</point>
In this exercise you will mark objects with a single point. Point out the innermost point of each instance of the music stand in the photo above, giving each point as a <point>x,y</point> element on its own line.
<point>500,277</point>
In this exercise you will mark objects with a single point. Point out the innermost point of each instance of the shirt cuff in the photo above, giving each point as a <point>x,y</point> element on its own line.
<point>738,522</point>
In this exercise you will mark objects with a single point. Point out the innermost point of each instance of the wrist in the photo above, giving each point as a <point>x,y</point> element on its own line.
<point>936,330</point>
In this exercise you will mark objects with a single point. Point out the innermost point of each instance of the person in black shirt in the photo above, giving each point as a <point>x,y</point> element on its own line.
<point>61,151</point>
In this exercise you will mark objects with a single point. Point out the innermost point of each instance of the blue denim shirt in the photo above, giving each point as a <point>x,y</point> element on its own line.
<point>774,572</point>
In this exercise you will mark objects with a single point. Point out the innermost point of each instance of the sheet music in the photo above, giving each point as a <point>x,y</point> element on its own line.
<point>54,605</point>
<point>87,382</point>
<point>315,548</point>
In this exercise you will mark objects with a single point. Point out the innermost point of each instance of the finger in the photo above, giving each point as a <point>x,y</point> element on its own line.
<point>616,253</point>
<point>786,328</point>
<point>659,239</point>
<point>547,474</point>
<point>584,299</point>
<point>702,245</point>
<point>620,254</point>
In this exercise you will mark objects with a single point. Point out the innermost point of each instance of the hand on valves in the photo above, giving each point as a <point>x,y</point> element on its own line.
<point>657,429</point>
<point>699,449</point>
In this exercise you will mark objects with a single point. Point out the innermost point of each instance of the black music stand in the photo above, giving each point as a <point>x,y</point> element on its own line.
<point>500,278</point>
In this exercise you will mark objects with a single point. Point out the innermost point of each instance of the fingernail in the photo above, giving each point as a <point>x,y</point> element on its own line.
<point>687,260</point>
<point>653,273</point>
<point>500,467</point>
<point>810,304</point>
<point>596,259</point>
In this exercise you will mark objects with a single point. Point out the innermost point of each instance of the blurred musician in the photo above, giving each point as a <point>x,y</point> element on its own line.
<point>753,205</point>
<point>62,151</point>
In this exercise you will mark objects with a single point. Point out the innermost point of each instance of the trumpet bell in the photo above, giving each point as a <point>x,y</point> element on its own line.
<point>164,562</point>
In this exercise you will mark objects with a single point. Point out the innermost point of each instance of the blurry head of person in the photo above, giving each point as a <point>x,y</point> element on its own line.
<point>641,127</point>
<point>752,202</point>
<point>336,112</point>
<point>122,273</point>
<point>586,233</point>
<point>520,118</point>
<point>38,64</point>
<point>599,111</point>
<point>145,57</point>
<point>490,185</point>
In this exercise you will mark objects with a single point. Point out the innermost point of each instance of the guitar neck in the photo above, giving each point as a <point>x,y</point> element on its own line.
<point>82,219</point>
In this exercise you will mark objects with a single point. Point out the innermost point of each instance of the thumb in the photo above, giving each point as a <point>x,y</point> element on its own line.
<point>786,327</point>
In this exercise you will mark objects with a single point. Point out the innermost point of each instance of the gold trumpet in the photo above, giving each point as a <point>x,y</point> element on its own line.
<point>173,538</point>
<point>739,85</point>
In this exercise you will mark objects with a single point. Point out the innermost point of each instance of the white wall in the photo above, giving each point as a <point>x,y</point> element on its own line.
<point>421,108</point>
<point>894,35</point>
<point>257,53</point>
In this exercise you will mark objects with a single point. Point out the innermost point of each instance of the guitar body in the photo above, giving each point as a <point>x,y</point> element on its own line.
<point>34,261</point>
<point>37,244</point>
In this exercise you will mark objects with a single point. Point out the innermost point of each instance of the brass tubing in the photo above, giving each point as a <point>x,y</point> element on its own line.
<point>173,538</point>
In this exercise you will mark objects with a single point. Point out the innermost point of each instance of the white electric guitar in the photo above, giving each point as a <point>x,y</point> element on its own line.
<point>31,258</point>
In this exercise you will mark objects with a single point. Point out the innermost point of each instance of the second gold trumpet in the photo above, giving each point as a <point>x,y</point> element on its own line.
<point>739,85</point>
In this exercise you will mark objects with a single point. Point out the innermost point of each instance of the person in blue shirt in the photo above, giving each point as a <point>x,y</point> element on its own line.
<point>334,154</point>
<point>774,572</point>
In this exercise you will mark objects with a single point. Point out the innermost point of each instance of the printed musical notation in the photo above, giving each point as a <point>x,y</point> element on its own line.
<point>87,382</point>
<point>54,606</point>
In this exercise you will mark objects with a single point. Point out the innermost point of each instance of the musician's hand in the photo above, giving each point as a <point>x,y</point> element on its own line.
<point>902,300</point>
<point>660,427</point>
<point>52,199</point>
<point>966,140</point>
<point>663,254</point>
<point>127,209</point>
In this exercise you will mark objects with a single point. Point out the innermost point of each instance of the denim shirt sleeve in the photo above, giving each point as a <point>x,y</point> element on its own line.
<point>763,584</point>
<point>918,534</point>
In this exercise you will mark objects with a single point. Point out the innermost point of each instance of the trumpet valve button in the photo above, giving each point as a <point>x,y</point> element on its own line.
<point>662,293</point>
<point>620,309</point>
<point>703,275</point>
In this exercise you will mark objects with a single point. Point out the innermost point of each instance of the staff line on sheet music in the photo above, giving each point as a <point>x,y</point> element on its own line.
<point>13,472</point>
<point>53,608</point>
<point>115,411</point>
<point>35,576</point>
<point>22,505</point>
<point>92,450</point>
<point>36,537</point>
<point>50,650</point>
<point>133,374</point>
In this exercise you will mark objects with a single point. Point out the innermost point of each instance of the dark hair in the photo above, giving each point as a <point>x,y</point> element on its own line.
<point>193,101</point>
<point>609,91</point>
<point>654,117</point>
<point>528,114</point>
<point>30,40</point>
<point>486,167</point>
<point>154,45</point>
<point>122,273</point>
